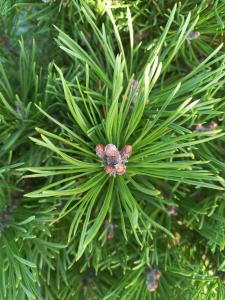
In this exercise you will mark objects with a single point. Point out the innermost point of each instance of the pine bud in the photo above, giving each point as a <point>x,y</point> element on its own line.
<point>111,150</point>
<point>154,274</point>
<point>110,170</point>
<point>152,286</point>
<point>120,169</point>
<point>152,279</point>
<point>110,230</point>
<point>126,151</point>
<point>157,274</point>
<point>100,151</point>
<point>193,35</point>
<point>213,125</point>
<point>172,211</point>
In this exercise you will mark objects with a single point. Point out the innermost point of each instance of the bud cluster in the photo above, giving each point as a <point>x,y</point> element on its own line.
<point>114,160</point>
<point>110,230</point>
<point>172,211</point>
<point>152,279</point>
<point>200,128</point>
<point>193,35</point>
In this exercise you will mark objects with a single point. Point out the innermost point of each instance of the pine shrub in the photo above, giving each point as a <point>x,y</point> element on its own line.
<point>112,150</point>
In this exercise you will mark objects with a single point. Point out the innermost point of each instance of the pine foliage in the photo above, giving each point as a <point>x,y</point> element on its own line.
<point>81,73</point>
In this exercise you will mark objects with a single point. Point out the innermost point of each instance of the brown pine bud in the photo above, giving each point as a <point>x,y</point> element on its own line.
<point>154,274</point>
<point>199,128</point>
<point>111,150</point>
<point>120,169</point>
<point>172,211</point>
<point>152,286</point>
<point>110,232</point>
<point>126,151</point>
<point>152,279</point>
<point>193,35</point>
<point>157,275</point>
<point>110,170</point>
<point>213,125</point>
<point>100,151</point>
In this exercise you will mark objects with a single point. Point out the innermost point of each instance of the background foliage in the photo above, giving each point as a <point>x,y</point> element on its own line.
<point>78,73</point>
